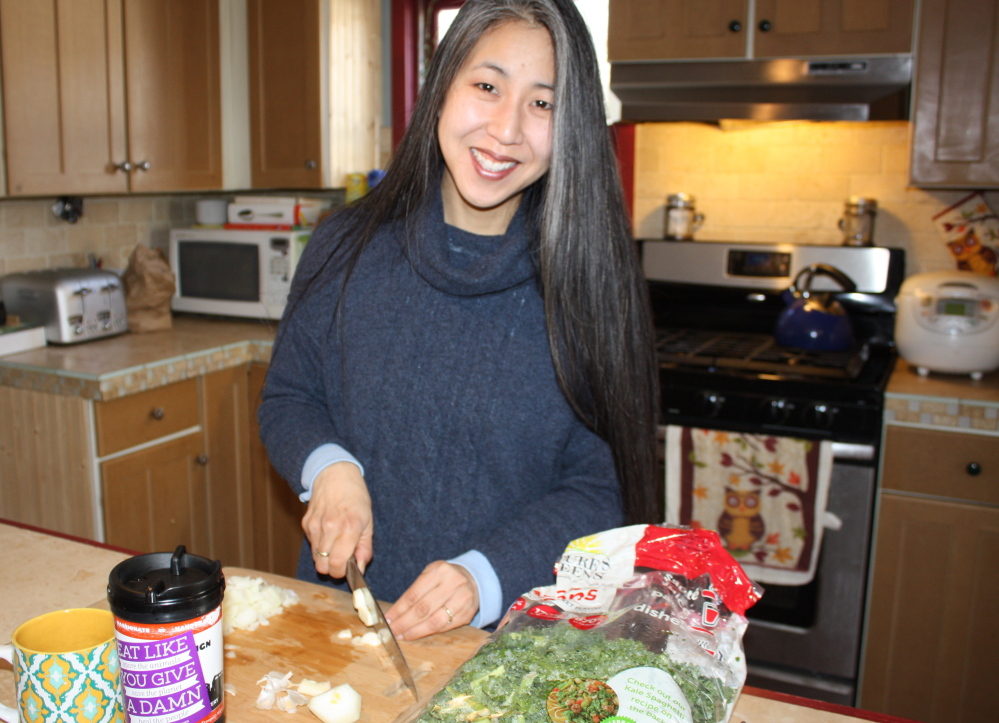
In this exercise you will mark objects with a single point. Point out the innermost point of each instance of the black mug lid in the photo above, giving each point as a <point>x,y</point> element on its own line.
<point>165,587</point>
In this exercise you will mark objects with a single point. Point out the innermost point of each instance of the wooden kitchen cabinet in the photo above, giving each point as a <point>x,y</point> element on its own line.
<point>315,91</point>
<point>208,469</point>
<point>693,29</point>
<point>286,138</point>
<point>955,119</point>
<point>110,96</point>
<point>155,499</point>
<point>932,626</point>
<point>277,511</point>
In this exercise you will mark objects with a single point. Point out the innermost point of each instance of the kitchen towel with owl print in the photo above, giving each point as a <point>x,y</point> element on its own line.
<point>765,496</point>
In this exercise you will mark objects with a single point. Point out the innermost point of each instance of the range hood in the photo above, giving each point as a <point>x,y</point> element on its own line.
<point>855,89</point>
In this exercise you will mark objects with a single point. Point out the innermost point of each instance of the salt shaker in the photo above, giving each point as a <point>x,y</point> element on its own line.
<point>682,220</point>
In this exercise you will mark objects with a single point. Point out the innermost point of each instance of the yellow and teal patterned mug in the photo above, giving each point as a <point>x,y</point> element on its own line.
<point>65,669</point>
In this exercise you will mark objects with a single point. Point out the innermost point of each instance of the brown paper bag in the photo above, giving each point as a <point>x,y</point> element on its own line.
<point>149,285</point>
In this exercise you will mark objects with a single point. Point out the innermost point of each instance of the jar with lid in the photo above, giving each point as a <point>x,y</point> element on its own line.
<point>857,223</point>
<point>682,219</point>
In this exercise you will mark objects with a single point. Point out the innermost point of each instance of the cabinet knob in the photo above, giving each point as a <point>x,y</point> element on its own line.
<point>202,459</point>
<point>124,167</point>
<point>974,469</point>
<point>143,165</point>
<point>311,165</point>
<point>765,26</point>
<point>735,26</point>
<point>157,413</point>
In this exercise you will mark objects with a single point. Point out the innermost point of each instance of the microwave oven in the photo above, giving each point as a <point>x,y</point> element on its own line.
<point>231,272</point>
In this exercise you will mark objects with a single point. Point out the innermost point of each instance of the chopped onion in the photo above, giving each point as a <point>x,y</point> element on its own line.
<point>313,687</point>
<point>341,704</point>
<point>249,601</point>
<point>345,634</point>
<point>369,638</point>
<point>364,602</point>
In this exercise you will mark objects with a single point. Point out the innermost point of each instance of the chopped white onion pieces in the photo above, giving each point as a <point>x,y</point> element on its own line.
<point>341,704</point>
<point>364,603</point>
<point>313,687</point>
<point>249,601</point>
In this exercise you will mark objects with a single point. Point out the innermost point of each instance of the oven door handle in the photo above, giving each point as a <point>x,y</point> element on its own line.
<point>855,452</point>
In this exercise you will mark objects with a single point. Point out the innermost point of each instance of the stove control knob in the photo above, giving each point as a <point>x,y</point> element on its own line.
<point>778,410</point>
<point>822,415</point>
<point>711,403</point>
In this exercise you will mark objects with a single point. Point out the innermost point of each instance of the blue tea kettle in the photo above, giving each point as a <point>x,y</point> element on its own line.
<point>815,321</point>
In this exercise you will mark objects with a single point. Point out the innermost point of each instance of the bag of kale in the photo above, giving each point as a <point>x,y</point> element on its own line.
<point>643,625</point>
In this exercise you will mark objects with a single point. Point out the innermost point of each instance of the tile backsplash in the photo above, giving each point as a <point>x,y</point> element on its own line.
<point>32,237</point>
<point>788,182</point>
<point>782,181</point>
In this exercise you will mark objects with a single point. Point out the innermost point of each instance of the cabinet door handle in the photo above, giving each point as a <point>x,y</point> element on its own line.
<point>143,165</point>
<point>157,413</point>
<point>124,167</point>
<point>311,165</point>
<point>202,459</point>
<point>974,469</point>
<point>765,26</point>
<point>735,26</point>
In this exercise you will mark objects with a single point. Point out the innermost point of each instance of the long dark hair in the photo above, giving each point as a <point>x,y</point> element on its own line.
<point>596,306</point>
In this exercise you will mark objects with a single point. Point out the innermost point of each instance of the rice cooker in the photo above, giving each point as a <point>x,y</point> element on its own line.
<point>947,322</point>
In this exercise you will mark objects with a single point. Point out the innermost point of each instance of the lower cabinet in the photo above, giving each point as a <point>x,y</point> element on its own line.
<point>277,511</point>
<point>178,464</point>
<point>932,626</point>
<point>155,499</point>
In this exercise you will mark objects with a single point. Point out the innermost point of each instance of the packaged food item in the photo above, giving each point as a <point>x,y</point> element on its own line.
<point>643,625</point>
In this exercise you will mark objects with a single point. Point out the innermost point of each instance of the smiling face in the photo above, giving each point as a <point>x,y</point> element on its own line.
<point>495,127</point>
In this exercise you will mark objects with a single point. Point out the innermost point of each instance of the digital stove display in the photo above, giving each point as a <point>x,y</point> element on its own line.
<point>765,264</point>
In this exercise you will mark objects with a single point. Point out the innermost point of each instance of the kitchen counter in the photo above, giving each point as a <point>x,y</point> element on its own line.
<point>943,401</point>
<point>120,365</point>
<point>42,572</point>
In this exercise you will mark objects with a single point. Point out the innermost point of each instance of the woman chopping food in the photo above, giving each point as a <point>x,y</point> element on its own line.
<point>464,381</point>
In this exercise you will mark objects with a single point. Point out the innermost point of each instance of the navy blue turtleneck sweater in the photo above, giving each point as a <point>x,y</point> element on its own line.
<point>438,379</point>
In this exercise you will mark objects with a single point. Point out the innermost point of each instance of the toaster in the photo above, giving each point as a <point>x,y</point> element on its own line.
<point>73,305</point>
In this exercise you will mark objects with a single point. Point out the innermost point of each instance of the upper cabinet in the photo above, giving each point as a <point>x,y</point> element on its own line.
<point>286,94</point>
<point>695,29</point>
<point>110,96</point>
<point>315,77</point>
<point>955,141</point>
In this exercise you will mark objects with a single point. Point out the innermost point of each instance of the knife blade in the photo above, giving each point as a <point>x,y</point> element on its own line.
<point>356,582</point>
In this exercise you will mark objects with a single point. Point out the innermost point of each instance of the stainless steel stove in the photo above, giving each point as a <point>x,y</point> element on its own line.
<point>715,307</point>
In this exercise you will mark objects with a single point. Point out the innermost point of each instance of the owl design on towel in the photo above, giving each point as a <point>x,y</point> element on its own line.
<point>972,255</point>
<point>740,523</point>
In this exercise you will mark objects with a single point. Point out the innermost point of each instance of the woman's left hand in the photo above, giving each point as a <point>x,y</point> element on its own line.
<point>443,597</point>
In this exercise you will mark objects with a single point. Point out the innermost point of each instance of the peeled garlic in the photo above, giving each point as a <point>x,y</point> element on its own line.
<point>337,705</point>
<point>364,602</point>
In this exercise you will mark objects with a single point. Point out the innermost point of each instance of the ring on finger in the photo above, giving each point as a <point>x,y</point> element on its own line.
<point>321,554</point>
<point>450,617</point>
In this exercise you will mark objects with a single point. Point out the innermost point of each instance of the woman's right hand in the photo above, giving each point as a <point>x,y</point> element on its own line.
<point>338,520</point>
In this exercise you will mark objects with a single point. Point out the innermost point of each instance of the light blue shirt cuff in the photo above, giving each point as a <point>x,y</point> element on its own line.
<point>321,458</point>
<point>490,591</point>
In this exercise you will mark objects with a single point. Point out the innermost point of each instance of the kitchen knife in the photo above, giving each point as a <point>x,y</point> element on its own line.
<point>356,582</point>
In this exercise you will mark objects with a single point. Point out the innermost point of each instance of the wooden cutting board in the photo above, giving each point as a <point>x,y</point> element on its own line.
<point>303,640</point>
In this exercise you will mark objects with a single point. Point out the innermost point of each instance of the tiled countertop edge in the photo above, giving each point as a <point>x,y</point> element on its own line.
<point>942,413</point>
<point>135,379</point>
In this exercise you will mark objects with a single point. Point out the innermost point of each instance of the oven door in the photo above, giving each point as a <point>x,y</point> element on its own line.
<point>805,640</point>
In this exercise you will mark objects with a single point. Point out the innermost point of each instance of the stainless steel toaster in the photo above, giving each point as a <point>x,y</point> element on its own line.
<point>74,305</point>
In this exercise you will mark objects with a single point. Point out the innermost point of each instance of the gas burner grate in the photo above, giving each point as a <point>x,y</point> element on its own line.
<point>754,353</point>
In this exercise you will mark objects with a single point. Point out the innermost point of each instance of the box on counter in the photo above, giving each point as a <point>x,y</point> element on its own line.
<point>17,337</point>
<point>274,211</point>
